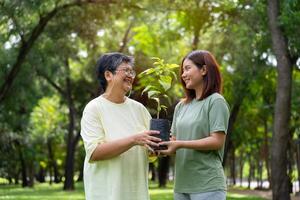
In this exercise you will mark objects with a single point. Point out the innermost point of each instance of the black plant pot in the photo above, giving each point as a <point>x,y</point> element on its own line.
<point>163,126</point>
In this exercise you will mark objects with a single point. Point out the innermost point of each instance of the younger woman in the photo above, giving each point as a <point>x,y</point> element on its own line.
<point>199,130</point>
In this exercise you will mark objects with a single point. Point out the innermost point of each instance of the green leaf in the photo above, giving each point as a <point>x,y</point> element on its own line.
<point>155,58</point>
<point>152,93</point>
<point>146,89</point>
<point>147,71</point>
<point>166,96</point>
<point>174,75</point>
<point>173,66</point>
<point>157,100</point>
<point>164,107</point>
<point>165,85</point>
<point>165,82</point>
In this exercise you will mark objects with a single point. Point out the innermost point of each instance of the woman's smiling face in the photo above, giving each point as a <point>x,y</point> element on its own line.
<point>191,74</point>
<point>124,77</point>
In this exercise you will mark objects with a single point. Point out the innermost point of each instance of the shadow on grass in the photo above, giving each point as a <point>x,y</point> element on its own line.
<point>41,191</point>
<point>167,193</point>
<point>50,192</point>
<point>231,196</point>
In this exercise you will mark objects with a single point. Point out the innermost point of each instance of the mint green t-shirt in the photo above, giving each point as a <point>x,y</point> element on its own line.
<point>199,171</point>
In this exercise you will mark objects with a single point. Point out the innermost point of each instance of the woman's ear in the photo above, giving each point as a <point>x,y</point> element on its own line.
<point>108,76</point>
<point>204,70</point>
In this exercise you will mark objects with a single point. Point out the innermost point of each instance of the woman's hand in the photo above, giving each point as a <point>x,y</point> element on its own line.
<point>172,145</point>
<point>114,148</point>
<point>215,141</point>
<point>147,139</point>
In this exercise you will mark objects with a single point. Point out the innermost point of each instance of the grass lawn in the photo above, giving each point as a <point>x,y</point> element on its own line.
<point>54,192</point>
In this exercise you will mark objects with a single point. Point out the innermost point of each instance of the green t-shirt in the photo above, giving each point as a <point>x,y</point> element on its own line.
<point>199,171</point>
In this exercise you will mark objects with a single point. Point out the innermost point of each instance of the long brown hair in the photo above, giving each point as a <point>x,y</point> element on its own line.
<point>212,81</point>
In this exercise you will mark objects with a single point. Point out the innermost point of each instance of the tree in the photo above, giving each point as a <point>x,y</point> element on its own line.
<point>280,179</point>
<point>47,122</point>
<point>28,35</point>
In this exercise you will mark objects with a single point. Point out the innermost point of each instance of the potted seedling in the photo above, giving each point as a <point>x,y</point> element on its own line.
<point>157,82</point>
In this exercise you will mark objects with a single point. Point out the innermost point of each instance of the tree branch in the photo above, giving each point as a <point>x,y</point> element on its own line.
<point>51,82</point>
<point>126,39</point>
<point>26,45</point>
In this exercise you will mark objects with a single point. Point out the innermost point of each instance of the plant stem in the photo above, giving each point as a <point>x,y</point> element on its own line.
<point>158,109</point>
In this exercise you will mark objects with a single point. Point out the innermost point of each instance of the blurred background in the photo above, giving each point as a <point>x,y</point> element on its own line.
<point>48,53</point>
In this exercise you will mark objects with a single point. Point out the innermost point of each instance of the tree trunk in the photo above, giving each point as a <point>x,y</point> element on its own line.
<point>253,167</point>
<point>259,173</point>
<point>80,177</point>
<point>53,164</point>
<point>232,167</point>
<point>57,177</point>
<point>69,166</point>
<point>266,151</point>
<point>50,173</point>
<point>250,172</point>
<point>16,178</point>
<point>233,116</point>
<point>23,165</point>
<point>31,174</point>
<point>72,139</point>
<point>290,172</point>
<point>196,39</point>
<point>41,175</point>
<point>298,159</point>
<point>163,170</point>
<point>241,169</point>
<point>152,171</point>
<point>290,163</point>
<point>9,180</point>
<point>280,179</point>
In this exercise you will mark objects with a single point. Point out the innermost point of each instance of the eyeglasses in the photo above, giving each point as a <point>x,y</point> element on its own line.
<point>128,72</point>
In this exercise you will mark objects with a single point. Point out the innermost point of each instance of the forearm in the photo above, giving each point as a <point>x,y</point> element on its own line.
<point>208,143</point>
<point>112,149</point>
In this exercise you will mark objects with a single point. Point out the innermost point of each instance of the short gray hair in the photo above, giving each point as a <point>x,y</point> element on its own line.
<point>110,62</point>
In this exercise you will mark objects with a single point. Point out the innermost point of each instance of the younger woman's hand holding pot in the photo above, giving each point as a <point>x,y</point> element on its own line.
<point>172,145</point>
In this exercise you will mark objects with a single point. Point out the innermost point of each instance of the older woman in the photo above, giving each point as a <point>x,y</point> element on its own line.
<point>115,132</point>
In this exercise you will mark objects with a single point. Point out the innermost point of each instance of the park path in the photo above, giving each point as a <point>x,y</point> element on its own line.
<point>267,194</point>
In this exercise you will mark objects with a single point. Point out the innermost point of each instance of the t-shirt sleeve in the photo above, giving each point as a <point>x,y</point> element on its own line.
<point>219,116</point>
<point>92,131</point>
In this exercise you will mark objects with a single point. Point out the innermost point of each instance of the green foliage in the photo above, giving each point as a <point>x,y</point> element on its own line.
<point>47,126</point>
<point>290,20</point>
<point>235,31</point>
<point>48,120</point>
<point>157,81</point>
